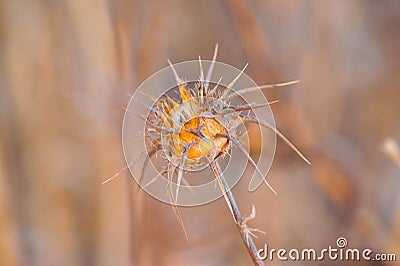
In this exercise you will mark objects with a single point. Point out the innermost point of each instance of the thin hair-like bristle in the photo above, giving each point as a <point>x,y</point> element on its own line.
<point>213,90</point>
<point>230,86</point>
<point>278,133</point>
<point>270,86</point>
<point>251,161</point>
<point>201,71</point>
<point>173,204</point>
<point>247,107</point>
<point>150,154</point>
<point>218,176</point>
<point>180,171</point>
<point>124,168</point>
<point>177,78</point>
<point>211,68</point>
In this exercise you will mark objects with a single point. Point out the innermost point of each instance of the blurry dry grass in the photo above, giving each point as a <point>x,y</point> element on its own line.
<point>391,148</point>
<point>65,68</point>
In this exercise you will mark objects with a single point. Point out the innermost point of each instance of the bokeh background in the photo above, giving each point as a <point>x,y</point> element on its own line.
<point>67,68</point>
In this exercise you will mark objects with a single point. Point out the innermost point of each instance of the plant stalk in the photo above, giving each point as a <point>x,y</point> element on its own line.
<point>247,238</point>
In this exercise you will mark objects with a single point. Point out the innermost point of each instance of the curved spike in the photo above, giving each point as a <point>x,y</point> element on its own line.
<point>218,176</point>
<point>180,170</point>
<point>124,168</point>
<point>270,86</point>
<point>247,107</point>
<point>237,77</point>
<point>252,215</point>
<point>278,133</point>
<point>215,87</point>
<point>150,154</point>
<point>243,150</point>
<point>177,78</point>
<point>174,207</point>
<point>201,91</point>
<point>201,71</point>
<point>211,68</point>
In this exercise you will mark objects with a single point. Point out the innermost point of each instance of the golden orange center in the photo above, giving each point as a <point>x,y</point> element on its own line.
<point>202,136</point>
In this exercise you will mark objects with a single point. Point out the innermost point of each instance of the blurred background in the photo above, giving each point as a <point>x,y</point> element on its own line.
<point>67,68</point>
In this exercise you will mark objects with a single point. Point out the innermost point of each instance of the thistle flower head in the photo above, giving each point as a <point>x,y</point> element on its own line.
<point>192,126</point>
<point>192,129</point>
<point>195,123</point>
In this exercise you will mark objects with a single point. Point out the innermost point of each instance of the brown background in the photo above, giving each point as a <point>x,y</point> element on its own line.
<point>67,67</point>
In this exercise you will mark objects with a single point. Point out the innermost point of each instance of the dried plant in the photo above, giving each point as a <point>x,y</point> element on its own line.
<point>198,128</point>
<point>391,148</point>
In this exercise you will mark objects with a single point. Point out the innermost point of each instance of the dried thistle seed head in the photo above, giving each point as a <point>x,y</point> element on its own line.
<point>191,130</point>
<point>194,130</point>
<point>202,136</point>
<point>194,127</point>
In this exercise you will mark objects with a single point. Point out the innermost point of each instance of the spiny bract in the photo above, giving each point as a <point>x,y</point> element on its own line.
<point>194,130</point>
<point>199,126</point>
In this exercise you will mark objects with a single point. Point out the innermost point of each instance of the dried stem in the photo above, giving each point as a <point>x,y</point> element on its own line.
<point>239,219</point>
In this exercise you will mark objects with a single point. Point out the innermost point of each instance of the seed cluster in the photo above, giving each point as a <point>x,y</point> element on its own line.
<point>195,129</point>
<point>202,124</point>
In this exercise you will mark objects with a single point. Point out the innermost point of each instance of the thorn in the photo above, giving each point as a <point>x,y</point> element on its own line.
<point>283,84</point>
<point>177,78</point>
<point>210,70</point>
<point>176,211</point>
<point>270,86</point>
<point>218,176</point>
<point>150,154</point>
<point>201,71</point>
<point>278,133</point>
<point>216,86</point>
<point>237,77</point>
<point>123,169</point>
<point>243,150</point>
